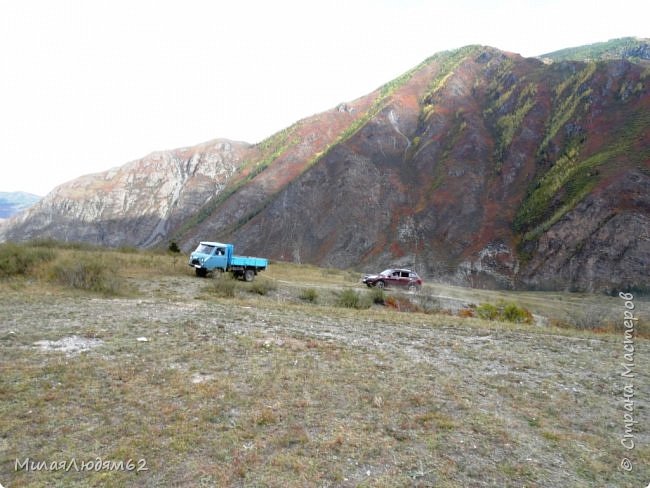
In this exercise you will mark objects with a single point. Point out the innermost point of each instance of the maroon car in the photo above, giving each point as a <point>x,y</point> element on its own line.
<point>404,278</point>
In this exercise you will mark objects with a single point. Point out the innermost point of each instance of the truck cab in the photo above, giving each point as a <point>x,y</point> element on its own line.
<point>209,256</point>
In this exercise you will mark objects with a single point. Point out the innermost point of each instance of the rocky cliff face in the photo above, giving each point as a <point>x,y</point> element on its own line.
<point>135,204</point>
<point>477,167</point>
<point>604,241</point>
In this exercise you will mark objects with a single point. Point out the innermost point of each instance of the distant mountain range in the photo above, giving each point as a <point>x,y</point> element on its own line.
<point>632,48</point>
<point>477,167</point>
<point>13,202</point>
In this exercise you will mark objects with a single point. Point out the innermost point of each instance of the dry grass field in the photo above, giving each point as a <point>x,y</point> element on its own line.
<point>306,378</point>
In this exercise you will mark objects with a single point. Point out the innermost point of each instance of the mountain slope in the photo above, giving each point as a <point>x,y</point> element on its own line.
<point>478,167</point>
<point>466,169</point>
<point>135,204</point>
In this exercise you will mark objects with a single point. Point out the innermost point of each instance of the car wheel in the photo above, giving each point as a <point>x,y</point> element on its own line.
<point>380,284</point>
<point>413,288</point>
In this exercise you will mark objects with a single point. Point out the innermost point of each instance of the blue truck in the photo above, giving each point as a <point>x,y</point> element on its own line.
<point>210,256</point>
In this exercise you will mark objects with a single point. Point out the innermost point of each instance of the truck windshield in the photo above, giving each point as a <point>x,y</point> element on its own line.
<point>204,249</point>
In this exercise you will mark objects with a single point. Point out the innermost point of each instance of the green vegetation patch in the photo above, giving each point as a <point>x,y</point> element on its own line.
<point>224,285</point>
<point>574,178</point>
<point>509,123</point>
<point>262,286</point>
<point>570,95</point>
<point>350,298</point>
<point>88,272</point>
<point>448,63</point>
<point>309,295</point>
<point>378,296</point>
<point>504,311</point>
<point>512,99</point>
<point>22,259</point>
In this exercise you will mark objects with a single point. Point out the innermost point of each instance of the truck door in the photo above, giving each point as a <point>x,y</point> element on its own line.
<point>218,259</point>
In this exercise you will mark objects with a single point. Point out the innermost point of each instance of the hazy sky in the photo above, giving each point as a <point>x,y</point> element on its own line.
<point>86,85</point>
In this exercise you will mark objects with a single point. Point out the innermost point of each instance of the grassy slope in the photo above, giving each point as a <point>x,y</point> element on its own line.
<point>272,391</point>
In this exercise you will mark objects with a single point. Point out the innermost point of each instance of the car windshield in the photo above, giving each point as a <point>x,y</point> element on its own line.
<point>386,272</point>
<point>204,249</point>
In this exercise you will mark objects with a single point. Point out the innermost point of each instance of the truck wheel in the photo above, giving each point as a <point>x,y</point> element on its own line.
<point>249,275</point>
<point>201,272</point>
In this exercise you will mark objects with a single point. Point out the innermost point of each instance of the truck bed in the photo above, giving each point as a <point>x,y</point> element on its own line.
<point>249,262</point>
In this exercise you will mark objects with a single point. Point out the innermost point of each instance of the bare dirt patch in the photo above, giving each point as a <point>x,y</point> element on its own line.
<point>69,345</point>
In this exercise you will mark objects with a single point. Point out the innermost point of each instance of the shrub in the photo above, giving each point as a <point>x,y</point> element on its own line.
<point>487,311</point>
<point>173,247</point>
<point>262,287</point>
<point>224,285</point>
<point>466,312</point>
<point>309,295</point>
<point>428,304</point>
<point>18,259</point>
<point>349,298</point>
<point>505,311</point>
<point>514,313</point>
<point>87,273</point>
<point>391,302</point>
<point>402,303</point>
<point>378,296</point>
